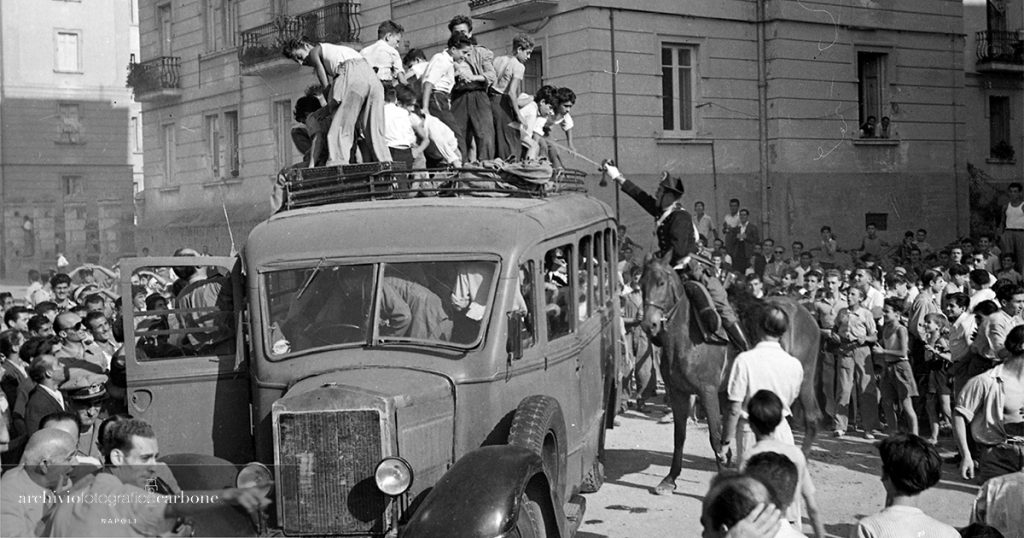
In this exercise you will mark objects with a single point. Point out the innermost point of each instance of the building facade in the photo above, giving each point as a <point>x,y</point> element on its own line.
<point>757,100</point>
<point>994,102</point>
<point>68,154</point>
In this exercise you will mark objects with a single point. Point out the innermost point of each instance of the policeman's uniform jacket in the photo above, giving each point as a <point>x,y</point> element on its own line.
<point>674,227</point>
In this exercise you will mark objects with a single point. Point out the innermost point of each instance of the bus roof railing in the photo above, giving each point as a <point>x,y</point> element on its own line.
<point>310,187</point>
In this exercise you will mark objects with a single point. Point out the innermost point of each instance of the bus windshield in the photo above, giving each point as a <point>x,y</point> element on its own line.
<point>442,303</point>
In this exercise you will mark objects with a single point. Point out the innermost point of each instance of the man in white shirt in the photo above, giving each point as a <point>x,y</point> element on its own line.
<point>766,367</point>
<point>705,226</point>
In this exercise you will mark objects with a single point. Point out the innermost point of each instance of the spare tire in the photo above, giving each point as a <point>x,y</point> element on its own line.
<point>538,426</point>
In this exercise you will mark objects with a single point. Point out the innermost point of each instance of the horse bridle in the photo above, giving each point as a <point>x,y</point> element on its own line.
<point>667,311</point>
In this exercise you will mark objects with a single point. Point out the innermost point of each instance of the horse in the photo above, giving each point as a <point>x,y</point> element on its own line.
<point>689,367</point>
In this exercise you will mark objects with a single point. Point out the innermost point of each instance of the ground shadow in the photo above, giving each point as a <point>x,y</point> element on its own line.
<point>840,530</point>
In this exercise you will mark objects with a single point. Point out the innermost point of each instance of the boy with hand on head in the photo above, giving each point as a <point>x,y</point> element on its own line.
<point>780,475</point>
<point>437,141</point>
<point>765,412</point>
<point>383,54</point>
<point>504,106</point>
<point>909,467</point>
<point>535,114</point>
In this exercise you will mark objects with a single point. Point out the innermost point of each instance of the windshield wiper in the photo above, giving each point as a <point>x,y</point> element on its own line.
<point>316,271</point>
<point>419,342</point>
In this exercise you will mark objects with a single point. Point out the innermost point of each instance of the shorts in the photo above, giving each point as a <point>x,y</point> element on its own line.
<point>897,381</point>
<point>938,382</point>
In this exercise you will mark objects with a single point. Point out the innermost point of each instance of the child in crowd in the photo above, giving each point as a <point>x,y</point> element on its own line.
<point>897,383</point>
<point>510,71</point>
<point>398,129</point>
<point>565,99</point>
<point>909,466</point>
<point>437,141</point>
<point>535,113</point>
<point>764,414</point>
<point>352,91</point>
<point>1007,271</point>
<point>439,80</point>
<point>398,132</point>
<point>383,54</point>
<point>856,330</point>
<point>415,65</point>
<point>780,475</point>
<point>937,359</point>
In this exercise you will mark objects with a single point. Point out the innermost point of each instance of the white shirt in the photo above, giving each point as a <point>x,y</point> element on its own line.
<point>533,123</point>
<point>565,122</point>
<point>899,521</point>
<point>384,59</point>
<point>766,367</point>
<point>999,504</point>
<point>1014,217</point>
<point>787,531</point>
<point>398,131</point>
<point>960,335</point>
<point>56,395</point>
<point>980,296</point>
<point>417,69</point>
<point>441,136</point>
<point>335,55</point>
<point>508,68</point>
<point>441,72</point>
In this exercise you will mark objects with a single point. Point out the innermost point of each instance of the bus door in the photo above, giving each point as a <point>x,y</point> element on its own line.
<point>186,358</point>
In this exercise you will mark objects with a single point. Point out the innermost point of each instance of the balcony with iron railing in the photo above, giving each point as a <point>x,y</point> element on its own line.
<point>1000,51</point>
<point>156,79</point>
<point>260,53</point>
<point>509,9</point>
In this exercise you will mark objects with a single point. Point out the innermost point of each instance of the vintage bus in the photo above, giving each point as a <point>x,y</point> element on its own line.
<point>427,366</point>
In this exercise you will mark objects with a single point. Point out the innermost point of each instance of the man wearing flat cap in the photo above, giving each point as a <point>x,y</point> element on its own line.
<point>677,235</point>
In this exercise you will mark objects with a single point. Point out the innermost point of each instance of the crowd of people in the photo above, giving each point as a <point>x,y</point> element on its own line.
<point>921,345</point>
<point>63,408</point>
<point>462,105</point>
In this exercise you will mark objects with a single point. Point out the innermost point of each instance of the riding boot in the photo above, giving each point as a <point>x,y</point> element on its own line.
<point>736,336</point>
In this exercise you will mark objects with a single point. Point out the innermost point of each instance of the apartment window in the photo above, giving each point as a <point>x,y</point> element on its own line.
<point>678,80</point>
<point>170,152</point>
<point>221,24</point>
<point>165,28</point>
<point>222,144</point>
<point>999,128</point>
<point>70,124</point>
<point>213,143</point>
<point>68,56</point>
<point>136,135</point>
<point>231,143</point>
<point>871,83</point>
<point>72,186</point>
<point>533,78</point>
<point>285,151</point>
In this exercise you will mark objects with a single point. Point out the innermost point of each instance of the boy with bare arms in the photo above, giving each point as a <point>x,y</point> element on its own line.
<point>992,403</point>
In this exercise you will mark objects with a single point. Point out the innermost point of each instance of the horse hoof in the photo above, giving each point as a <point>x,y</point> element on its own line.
<point>666,487</point>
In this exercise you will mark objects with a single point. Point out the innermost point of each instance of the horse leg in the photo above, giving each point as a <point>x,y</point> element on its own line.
<point>680,403</point>
<point>812,416</point>
<point>712,405</point>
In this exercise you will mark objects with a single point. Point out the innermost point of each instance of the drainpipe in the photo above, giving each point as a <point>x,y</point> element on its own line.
<point>762,113</point>
<point>956,137</point>
<point>615,107</point>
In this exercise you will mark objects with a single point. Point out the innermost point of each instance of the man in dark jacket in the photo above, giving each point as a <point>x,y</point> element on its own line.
<point>677,234</point>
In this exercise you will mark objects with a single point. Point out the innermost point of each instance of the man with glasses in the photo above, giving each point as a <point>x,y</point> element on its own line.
<point>776,266</point>
<point>78,350</point>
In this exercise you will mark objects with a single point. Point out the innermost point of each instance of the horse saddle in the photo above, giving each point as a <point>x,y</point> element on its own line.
<point>705,321</point>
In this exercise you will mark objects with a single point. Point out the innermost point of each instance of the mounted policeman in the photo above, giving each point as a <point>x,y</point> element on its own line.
<point>677,240</point>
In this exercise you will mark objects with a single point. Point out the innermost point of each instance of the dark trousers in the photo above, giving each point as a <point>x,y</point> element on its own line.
<point>440,107</point>
<point>472,110</point>
<point>506,136</point>
<point>404,156</point>
<point>998,460</point>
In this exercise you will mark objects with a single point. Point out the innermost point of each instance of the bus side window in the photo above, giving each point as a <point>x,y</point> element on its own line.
<point>526,302</point>
<point>601,267</point>
<point>584,272</point>
<point>558,296</point>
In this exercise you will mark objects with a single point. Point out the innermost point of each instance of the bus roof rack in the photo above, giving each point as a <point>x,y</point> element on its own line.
<point>309,187</point>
